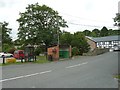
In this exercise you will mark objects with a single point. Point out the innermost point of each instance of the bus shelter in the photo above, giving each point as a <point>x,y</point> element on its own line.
<point>59,52</point>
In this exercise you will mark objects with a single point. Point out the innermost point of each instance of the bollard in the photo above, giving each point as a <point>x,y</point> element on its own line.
<point>3,59</point>
<point>35,58</point>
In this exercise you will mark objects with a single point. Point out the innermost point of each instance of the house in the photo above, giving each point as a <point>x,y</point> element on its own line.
<point>91,42</point>
<point>103,42</point>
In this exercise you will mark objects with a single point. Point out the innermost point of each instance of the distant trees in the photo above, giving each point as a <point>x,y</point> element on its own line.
<point>95,33</point>
<point>101,33</point>
<point>87,33</point>
<point>104,32</point>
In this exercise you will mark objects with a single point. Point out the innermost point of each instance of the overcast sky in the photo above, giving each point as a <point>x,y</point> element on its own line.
<point>80,14</point>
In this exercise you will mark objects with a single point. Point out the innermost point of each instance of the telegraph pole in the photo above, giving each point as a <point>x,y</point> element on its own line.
<point>119,13</point>
<point>58,37</point>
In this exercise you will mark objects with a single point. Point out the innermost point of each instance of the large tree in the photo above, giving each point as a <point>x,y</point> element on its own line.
<point>80,42</point>
<point>6,39</point>
<point>39,25</point>
<point>6,33</point>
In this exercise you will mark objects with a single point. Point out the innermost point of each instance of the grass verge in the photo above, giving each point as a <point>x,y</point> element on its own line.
<point>117,76</point>
<point>40,60</point>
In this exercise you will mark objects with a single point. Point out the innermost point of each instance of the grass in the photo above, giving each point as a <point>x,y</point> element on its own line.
<point>117,76</point>
<point>40,60</point>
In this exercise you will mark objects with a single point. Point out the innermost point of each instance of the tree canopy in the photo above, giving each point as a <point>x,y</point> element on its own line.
<point>80,42</point>
<point>7,43</point>
<point>40,25</point>
<point>104,32</point>
<point>117,20</point>
<point>66,38</point>
<point>6,33</point>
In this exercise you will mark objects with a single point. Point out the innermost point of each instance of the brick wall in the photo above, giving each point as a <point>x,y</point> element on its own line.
<point>55,54</point>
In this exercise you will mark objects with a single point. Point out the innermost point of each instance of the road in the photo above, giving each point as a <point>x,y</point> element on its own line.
<point>80,72</point>
<point>1,60</point>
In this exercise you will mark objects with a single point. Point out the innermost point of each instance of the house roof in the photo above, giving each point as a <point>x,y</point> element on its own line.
<point>107,38</point>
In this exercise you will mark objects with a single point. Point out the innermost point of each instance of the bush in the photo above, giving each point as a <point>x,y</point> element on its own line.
<point>75,51</point>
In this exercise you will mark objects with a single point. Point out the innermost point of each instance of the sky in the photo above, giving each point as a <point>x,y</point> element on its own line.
<point>79,14</point>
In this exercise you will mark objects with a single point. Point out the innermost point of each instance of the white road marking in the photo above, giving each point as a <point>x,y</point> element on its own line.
<point>33,87</point>
<point>14,78</point>
<point>77,65</point>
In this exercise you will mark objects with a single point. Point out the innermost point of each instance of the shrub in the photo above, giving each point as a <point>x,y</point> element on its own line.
<point>75,51</point>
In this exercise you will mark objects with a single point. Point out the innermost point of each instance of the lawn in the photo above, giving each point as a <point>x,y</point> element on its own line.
<point>41,59</point>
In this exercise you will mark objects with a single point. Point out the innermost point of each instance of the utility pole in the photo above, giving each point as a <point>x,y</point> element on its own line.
<point>58,36</point>
<point>58,31</point>
<point>119,7</point>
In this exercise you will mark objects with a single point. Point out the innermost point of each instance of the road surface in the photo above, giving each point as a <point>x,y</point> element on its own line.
<point>80,72</point>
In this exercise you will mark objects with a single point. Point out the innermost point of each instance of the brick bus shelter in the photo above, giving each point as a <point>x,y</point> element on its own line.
<point>59,52</point>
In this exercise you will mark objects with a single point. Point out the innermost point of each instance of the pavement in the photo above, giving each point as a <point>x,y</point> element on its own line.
<point>79,72</point>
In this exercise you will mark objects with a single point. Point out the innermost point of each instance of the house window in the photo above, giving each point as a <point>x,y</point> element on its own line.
<point>101,43</point>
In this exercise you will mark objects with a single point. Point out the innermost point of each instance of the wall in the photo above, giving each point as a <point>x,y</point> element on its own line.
<point>92,44</point>
<point>54,55</point>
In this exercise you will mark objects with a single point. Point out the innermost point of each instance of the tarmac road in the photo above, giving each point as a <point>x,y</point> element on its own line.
<point>80,72</point>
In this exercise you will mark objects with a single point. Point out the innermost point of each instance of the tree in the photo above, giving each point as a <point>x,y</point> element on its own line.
<point>6,33</point>
<point>104,32</point>
<point>95,33</point>
<point>39,24</point>
<point>117,23</point>
<point>110,32</point>
<point>117,20</point>
<point>87,33</point>
<point>6,39</point>
<point>66,38</point>
<point>80,42</point>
